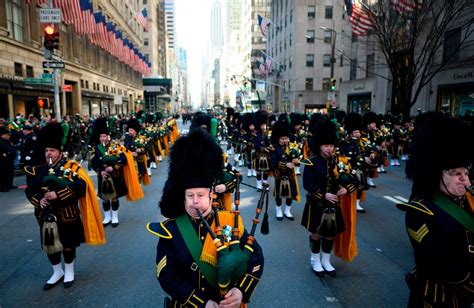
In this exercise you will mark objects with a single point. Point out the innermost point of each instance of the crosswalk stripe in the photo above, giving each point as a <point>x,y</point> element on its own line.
<point>401,198</point>
<point>392,199</point>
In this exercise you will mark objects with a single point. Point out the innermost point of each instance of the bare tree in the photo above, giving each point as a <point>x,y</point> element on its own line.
<point>419,43</point>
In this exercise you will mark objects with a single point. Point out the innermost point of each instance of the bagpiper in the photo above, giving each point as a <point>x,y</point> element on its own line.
<point>205,257</point>
<point>66,206</point>
<point>136,143</point>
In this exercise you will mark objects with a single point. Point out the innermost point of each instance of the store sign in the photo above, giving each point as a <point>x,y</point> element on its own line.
<point>66,88</point>
<point>11,77</point>
<point>50,16</point>
<point>467,75</point>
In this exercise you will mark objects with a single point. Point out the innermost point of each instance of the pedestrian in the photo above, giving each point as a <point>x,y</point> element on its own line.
<point>28,153</point>
<point>55,189</point>
<point>116,172</point>
<point>189,266</point>
<point>439,215</point>
<point>7,160</point>
<point>322,215</point>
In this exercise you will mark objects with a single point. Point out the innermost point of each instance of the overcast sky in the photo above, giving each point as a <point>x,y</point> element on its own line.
<point>192,33</point>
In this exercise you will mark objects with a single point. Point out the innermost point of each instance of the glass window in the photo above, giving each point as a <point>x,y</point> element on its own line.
<point>18,69</point>
<point>291,16</point>
<point>311,11</point>
<point>326,60</point>
<point>309,60</point>
<point>29,71</point>
<point>328,12</point>
<point>291,39</point>
<point>145,42</point>
<point>82,83</point>
<point>452,40</point>
<point>14,19</point>
<point>309,36</point>
<point>353,73</point>
<point>309,84</point>
<point>370,65</point>
<point>327,36</point>
<point>290,62</point>
<point>285,43</point>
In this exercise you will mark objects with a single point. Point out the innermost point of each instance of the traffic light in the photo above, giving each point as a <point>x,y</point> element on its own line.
<point>42,102</point>
<point>332,85</point>
<point>51,37</point>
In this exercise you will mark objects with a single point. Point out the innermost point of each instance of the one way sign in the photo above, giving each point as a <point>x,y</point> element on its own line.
<point>47,64</point>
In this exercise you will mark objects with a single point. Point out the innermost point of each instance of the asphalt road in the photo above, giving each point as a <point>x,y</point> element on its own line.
<point>122,272</point>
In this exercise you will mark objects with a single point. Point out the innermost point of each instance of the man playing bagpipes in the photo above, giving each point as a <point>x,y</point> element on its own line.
<point>325,186</point>
<point>205,257</point>
<point>353,148</point>
<point>297,135</point>
<point>263,148</point>
<point>136,143</point>
<point>371,132</point>
<point>248,139</point>
<point>55,189</point>
<point>283,162</point>
<point>116,172</point>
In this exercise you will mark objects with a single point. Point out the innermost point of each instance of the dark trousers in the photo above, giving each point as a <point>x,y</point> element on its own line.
<point>6,178</point>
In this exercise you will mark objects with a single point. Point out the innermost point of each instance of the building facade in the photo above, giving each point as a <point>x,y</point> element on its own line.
<point>100,82</point>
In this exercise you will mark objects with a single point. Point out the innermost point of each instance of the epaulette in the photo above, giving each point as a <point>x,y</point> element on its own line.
<point>418,204</point>
<point>31,170</point>
<point>159,229</point>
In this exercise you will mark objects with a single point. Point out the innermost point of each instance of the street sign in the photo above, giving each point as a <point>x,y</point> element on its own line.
<point>38,80</point>
<point>66,88</point>
<point>46,75</point>
<point>50,16</point>
<point>331,96</point>
<point>55,57</point>
<point>47,64</point>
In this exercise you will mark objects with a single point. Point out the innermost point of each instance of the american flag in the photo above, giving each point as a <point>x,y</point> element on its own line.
<point>262,22</point>
<point>261,67</point>
<point>268,63</point>
<point>142,19</point>
<point>358,18</point>
<point>407,6</point>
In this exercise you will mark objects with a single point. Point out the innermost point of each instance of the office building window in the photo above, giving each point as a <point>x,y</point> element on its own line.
<point>18,69</point>
<point>290,62</point>
<point>309,36</point>
<point>87,84</point>
<point>291,16</point>
<point>328,12</point>
<point>308,84</point>
<point>145,42</point>
<point>291,39</point>
<point>353,73</point>
<point>327,36</point>
<point>311,11</point>
<point>370,65</point>
<point>326,60</point>
<point>29,71</point>
<point>82,83</point>
<point>309,60</point>
<point>14,19</point>
<point>452,40</point>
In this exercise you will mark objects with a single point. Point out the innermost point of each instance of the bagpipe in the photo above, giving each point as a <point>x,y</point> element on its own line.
<point>232,259</point>
<point>111,155</point>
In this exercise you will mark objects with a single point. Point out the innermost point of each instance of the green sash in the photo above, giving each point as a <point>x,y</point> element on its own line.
<point>194,246</point>
<point>457,212</point>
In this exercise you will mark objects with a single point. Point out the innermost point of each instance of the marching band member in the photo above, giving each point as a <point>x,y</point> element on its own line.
<point>439,216</point>
<point>322,215</point>
<point>55,189</point>
<point>283,162</point>
<point>136,143</point>
<point>249,135</point>
<point>193,255</point>
<point>263,148</point>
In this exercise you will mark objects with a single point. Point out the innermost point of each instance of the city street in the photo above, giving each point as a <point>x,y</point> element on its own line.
<point>122,272</point>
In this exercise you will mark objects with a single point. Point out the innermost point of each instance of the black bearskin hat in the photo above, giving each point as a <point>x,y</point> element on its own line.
<point>281,128</point>
<point>158,116</point>
<point>247,120</point>
<point>324,133</point>
<point>135,125</point>
<point>199,120</point>
<point>99,127</point>
<point>196,161</point>
<point>230,112</point>
<point>304,117</point>
<point>352,122</point>
<point>370,117</point>
<point>150,118</point>
<point>315,118</point>
<point>51,136</point>
<point>296,119</point>
<point>238,119</point>
<point>4,130</point>
<point>261,117</point>
<point>439,143</point>
<point>272,118</point>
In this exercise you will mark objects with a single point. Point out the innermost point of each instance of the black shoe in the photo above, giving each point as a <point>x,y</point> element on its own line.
<point>114,225</point>
<point>331,273</point>
<point>13,187</point>
<point>360,211</point>
<point>68,284</point>
<point>289,217</point>
<point>319,274</point>
<point>279,218</point>
<point>49,286</point>
<point>371,186</point>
